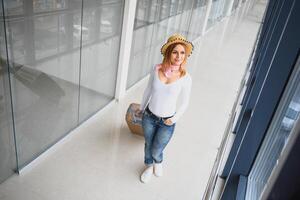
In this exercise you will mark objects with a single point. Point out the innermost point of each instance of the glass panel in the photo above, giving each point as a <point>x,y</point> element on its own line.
<point>7,145</point>
<point>276,138</point>
<point>100,21</point>
<point>174,16</point>
<point>226,6</point>
<point>141,46</point>
<point>200,3</point>
<point>111,20</point>
<point>53,28</point>
<point>180,6</point>
<point>235,4</point>
<point>44,63</point>
<point>14,7</point>
<point>184,22</point>
<point>142,43</point>
<point>197,19</point>
<point>99,59</point>
<point>188,4</point>
<point>42,5</point>
<point>173,24</point>
<point>216,12</point>
<point>145,13</point>
<point>173,7</point>
<point>158,40</point>
<point>165,9</point>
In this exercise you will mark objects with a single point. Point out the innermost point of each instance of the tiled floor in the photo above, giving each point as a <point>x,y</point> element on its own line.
<point>102,160</point>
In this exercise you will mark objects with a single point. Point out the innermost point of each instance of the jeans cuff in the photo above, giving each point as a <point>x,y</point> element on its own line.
<point>148,162</point>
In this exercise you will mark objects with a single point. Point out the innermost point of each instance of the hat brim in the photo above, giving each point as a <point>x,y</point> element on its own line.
<point>189,46</point>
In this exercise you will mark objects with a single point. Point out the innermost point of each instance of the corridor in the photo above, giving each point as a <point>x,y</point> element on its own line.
<point>102,160</point>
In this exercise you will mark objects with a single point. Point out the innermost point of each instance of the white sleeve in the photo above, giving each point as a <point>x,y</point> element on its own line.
<point>148,91</point>
<point>185,95</point>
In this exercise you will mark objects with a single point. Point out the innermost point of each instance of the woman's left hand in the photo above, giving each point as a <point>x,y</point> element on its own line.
<point>168,122</point>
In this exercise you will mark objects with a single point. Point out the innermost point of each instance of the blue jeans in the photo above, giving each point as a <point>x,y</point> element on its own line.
<point>157,135</point>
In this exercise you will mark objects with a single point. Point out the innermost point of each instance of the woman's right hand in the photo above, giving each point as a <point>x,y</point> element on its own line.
<point>138,113</point>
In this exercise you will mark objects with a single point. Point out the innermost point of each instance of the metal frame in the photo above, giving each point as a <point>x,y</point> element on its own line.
<point>125,48</point>
<point>278,47</point>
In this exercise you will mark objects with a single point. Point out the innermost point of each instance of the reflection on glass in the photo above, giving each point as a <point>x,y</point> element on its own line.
<point>15,44</point>
<point>216,12</point>
<point>13,7</point>
<point>291,115</point>
<point>173,9</point>
<point>111,17</point>
<point>101,31</point>
<point>145,13</point>
<point>45,41</point>
<point>7,145</point>
<point>235,4</point>
<point>276,138</point>
<point>140,52</point>
<point>180,6</point>
<point>173,16</point>
<point>141,14</point>
<point>52,28</point>
<point>197,19</point>
<point>200,3</point>
<point>165,9</point>
<point>42,5</point>
<point>44,75</point>
<point>226,7</point>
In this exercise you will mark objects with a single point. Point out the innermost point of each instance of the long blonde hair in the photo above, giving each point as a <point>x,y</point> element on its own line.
<point>167,59</point>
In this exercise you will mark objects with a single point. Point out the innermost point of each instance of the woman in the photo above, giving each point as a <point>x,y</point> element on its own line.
<point>168,81</point>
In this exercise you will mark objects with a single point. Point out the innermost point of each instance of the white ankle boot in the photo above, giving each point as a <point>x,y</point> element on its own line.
<point>158,169</point>
<point>147,174</point>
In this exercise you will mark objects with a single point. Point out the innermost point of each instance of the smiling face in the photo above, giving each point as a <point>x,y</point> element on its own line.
<point>177,55</point>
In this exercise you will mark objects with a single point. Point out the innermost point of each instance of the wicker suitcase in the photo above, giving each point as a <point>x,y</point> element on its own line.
<point>134,122</point>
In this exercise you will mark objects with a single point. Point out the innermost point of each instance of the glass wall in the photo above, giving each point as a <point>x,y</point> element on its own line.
<point>7,144</point>
<point>63,58</point>
<point>145,18</point>
<point>235,4</point>
<point>177,20</point>
<point>227,5</point>
<point>197,19</point>
<point>276,138</point>
<point>43,45</point>
<point>155,21</point>
<point>102,21</point>
<point>216,12</point>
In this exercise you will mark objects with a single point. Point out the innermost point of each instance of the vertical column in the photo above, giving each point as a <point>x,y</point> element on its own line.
<point>125,48</point>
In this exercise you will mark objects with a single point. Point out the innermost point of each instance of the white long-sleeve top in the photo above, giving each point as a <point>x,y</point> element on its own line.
<point>162,98</point>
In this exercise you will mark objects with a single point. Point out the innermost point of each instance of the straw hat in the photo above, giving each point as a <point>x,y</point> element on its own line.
<point>177,38</point>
